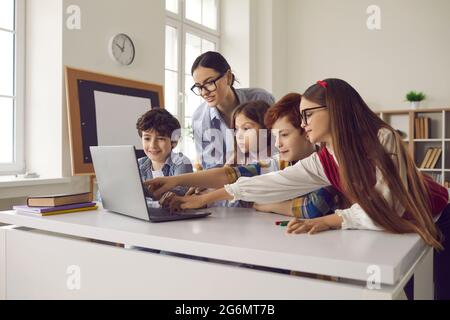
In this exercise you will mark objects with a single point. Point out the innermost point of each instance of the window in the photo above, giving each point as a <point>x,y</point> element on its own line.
<point>192,29</point>
<point>11,86</point>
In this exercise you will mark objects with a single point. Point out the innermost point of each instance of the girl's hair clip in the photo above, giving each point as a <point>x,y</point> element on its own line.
<point>323,84</point>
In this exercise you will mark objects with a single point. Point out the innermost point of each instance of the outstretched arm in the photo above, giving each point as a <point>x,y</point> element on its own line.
<point>213,178</point>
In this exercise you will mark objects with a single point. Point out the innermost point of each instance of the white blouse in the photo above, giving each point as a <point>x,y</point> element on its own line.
<point>308,175</point>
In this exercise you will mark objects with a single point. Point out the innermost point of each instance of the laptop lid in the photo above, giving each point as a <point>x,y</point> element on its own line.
<point>119,180</point>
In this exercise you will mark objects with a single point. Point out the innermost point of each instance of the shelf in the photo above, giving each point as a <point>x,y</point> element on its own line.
<point>408,110</point>
<point>431,170</point>
<point>438,135</point>
<point>428,140</point>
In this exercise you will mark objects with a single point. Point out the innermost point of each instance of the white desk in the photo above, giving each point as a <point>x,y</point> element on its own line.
<point>39,256</point>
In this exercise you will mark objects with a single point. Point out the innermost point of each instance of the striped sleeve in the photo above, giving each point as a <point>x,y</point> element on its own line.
<point>316,204</point>
<point>251,170</point>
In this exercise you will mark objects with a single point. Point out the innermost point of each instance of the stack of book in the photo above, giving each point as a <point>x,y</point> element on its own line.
<point>431,158</point>
<point>57,204</point>
<point>435,176</point>
<point>422,128</point>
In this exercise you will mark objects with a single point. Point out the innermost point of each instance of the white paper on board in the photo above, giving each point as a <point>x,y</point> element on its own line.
<point>116,117</point>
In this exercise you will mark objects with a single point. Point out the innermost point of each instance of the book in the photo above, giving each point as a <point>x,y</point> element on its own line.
<point>430,159</point>
<point>426,158</point>
<point>52,209</point>
<point>436,157</point>
<point>435,176</point>
<point>58,200</point>
<point>422,128</point>
<point>417,128</point>
<point>427,128</point>
<point>44,214</point>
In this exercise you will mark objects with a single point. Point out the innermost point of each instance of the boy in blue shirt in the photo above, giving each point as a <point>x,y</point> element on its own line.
<point>160,132</point>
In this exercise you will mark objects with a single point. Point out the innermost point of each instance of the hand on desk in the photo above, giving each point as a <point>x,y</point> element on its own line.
<point>313,226</point>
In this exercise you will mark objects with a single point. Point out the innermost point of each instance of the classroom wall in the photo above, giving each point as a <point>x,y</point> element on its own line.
<point>252,39</point>
<point>268,44</point>
<point>235,37</point>
<point>329,38</point>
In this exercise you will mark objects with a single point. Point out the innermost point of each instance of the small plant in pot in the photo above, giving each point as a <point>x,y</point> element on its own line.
<point>414,98</point>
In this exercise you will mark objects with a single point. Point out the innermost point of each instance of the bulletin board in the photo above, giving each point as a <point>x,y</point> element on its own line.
<point>103,110</point>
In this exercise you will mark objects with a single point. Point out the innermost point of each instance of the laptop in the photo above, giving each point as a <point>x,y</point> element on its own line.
<point>121,186</point>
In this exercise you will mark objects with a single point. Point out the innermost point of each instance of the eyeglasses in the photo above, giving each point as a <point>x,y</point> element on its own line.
<point>209,86</point>
<point>305,115</point>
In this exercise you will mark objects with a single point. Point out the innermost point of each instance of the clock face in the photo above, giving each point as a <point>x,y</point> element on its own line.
<point>122,49</point>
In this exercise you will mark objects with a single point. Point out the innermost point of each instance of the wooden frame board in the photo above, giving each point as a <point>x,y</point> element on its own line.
<point>81,109</point>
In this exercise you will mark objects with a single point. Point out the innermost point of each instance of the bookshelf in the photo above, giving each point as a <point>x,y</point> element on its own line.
<point>423,135</point>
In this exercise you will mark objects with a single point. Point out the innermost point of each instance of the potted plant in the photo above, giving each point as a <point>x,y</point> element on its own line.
<point>414,98</point>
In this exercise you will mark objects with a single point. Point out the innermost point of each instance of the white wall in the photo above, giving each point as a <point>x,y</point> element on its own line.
<point>253,38</point>
<point>328,38</point>
<point>235,37</point>
<point>261,69</point>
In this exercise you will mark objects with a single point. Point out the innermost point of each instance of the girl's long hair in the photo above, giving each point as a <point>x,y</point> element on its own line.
<point>354,132</point>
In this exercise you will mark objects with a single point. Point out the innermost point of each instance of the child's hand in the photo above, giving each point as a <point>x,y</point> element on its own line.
<point>187,202</point>
<point>166,198</point>
<point>262,207</point>
<point>313,226</point>
<point>159,186</point>
<point>284,208</point>
<point>196,191</point>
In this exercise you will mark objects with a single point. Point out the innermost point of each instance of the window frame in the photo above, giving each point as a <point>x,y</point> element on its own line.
<point>184,26</point>
<point>18,164</point>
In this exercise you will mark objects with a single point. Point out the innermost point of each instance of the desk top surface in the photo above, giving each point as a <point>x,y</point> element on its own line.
<point>244,236</point>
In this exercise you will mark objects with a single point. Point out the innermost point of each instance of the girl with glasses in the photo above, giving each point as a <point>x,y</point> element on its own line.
<point>366,160</point>
<point>214,82</point>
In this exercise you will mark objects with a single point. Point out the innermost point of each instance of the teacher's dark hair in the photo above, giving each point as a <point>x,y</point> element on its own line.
<point>213,60</point>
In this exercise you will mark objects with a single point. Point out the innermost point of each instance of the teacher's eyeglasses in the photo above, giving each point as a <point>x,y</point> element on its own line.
<point>209,86</point>
<point>306,114</point>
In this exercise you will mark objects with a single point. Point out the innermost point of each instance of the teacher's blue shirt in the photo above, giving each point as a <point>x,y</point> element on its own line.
<point>213,139</point>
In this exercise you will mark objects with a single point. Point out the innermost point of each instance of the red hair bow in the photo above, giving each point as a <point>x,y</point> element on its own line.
<point>323,84</point>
